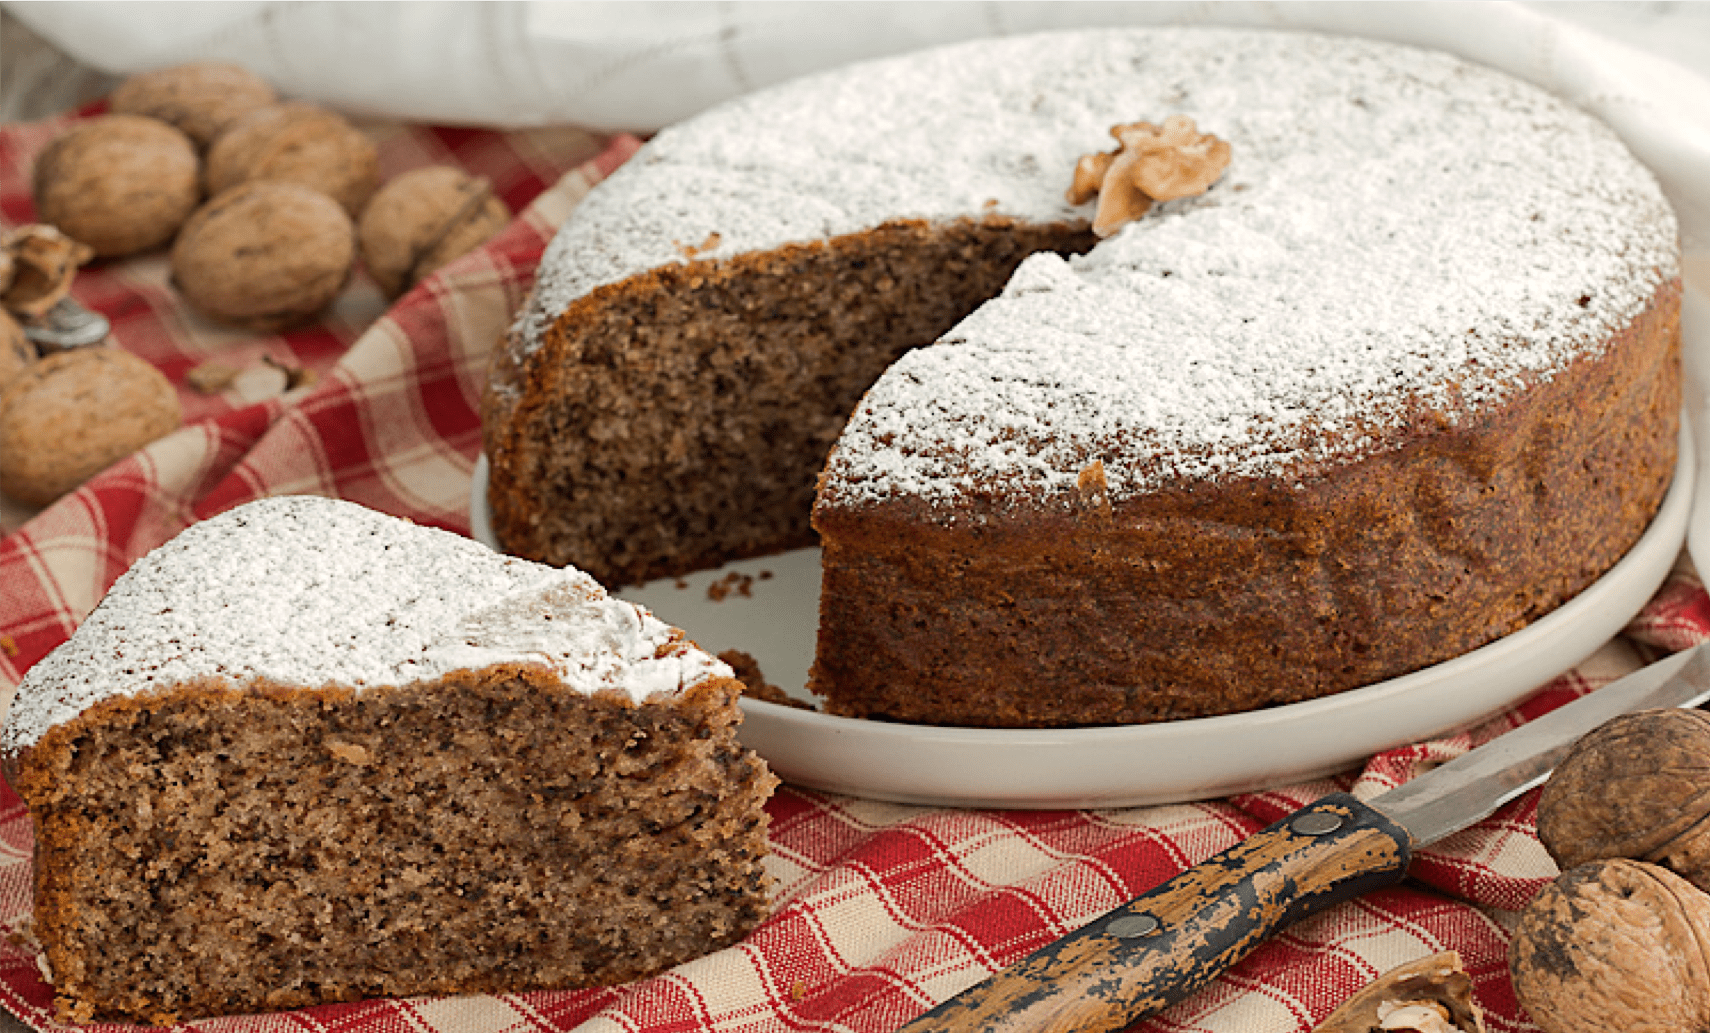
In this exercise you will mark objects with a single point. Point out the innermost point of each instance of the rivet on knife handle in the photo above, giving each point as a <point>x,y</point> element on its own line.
<point>1159,948</point>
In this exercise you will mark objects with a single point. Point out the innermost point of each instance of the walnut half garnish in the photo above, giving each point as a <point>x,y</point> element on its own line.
<point>1153,163</point>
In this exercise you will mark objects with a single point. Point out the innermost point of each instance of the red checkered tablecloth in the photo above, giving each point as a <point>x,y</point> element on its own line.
<point>882,910</point>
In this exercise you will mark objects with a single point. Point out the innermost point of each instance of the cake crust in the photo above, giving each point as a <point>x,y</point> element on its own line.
<point>1192,602</point>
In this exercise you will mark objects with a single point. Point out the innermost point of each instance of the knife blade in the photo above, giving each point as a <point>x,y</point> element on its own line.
<point>1160,948</point>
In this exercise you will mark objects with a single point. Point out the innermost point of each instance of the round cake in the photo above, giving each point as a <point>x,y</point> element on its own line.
<point>1402,380</point>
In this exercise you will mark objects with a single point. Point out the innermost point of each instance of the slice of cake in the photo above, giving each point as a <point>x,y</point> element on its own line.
<point>306,753</point>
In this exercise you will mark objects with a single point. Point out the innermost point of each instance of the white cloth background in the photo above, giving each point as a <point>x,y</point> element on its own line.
<point>641,65</point>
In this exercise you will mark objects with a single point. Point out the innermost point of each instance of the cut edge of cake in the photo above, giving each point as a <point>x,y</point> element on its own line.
<point>223,834</point>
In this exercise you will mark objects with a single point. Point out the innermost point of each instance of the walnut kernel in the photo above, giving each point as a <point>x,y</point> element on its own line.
<point>1638,786</point>
<point>42,263</point>
<point>299,143</point>
<point>1152,163</point>
<point>423,219</point>
<point>266,255</point>
<point>1614,946</point>
<point>118,183</point>
<point>211,377</point>
<point>202,99</point>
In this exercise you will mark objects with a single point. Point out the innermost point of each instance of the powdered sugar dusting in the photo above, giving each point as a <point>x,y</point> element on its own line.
<point>1427,234</point>
<point>1398,229</point>
<point>309,592</point>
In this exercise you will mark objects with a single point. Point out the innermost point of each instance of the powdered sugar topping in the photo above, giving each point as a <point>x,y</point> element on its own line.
<point>305,591</point>
<point>1399,232</point>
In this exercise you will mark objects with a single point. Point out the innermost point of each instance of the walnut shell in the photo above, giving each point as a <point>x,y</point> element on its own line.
<point>1614,946</point>
<point>264,255</point>
<point>299,143</point>
<point>16,353</point>
<point>1438,983</point>
<point>423,219</point>
<point>1637,786</point>
<point>43,263</point>
<point>202,99</point>
<point>75,413</point>
<point>118,183</point>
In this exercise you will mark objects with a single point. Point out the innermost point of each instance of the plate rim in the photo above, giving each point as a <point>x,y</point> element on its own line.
<point>770,727</point>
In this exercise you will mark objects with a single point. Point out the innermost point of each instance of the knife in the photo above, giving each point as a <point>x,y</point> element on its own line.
<point>1164,945</point>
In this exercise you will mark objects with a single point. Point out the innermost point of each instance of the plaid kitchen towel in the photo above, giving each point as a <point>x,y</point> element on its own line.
<point>882,909</point>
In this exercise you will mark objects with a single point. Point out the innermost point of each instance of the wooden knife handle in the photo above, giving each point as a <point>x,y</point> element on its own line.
<point>1159,948</point>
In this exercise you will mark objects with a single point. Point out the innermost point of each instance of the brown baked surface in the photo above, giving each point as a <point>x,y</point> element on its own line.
<point>678,419</point>
<point>1219,597</point>
<point>210,850</point>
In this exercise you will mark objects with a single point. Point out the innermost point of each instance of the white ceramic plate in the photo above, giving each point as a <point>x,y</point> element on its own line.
<point>1130,765</point>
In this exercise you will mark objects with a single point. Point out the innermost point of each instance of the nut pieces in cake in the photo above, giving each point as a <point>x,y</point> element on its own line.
<point>1614,946</point>
<point>118,183</point>
<point>1636,787</point>
<point>1153,163</point>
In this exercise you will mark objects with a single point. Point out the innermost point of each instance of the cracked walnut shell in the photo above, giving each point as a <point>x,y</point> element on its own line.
<point>118,183</point>
<point>1614,946</point>
<point>16,353</point>
<point>202,99</point>
<point>40,263</point>
<point>1429,995</point>
<point>266,255</point>
<point>1637,786</point>
<point>423,219</point>
<point>299,143</point>
<point>1153,163</point>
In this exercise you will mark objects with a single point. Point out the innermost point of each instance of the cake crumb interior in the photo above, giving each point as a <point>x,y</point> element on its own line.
<point>222,851</point>
<point>692,414</point>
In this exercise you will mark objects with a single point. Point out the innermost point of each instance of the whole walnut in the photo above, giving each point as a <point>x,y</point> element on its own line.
<point>299,143</point>
<point>1614,946</point>
<point>202,99</point>
<point>118,183</point>
<point>423,219</point>
<point>264,255</point>
<point>75,413</point>
<point>1637,786</point>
